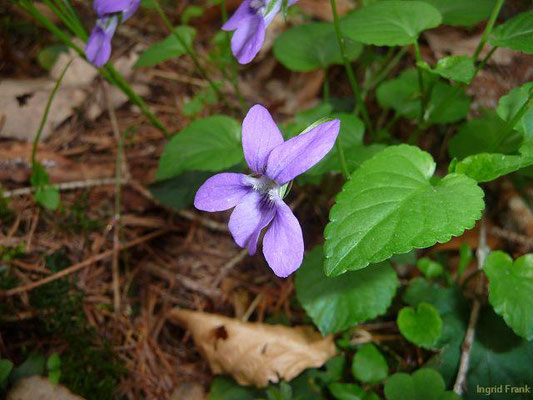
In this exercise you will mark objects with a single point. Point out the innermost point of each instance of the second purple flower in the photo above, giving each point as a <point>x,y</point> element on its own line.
<point>110,14</point>
<point>249,23</point>
<point>258,198</point>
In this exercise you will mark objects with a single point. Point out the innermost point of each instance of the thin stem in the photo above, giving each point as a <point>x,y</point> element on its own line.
<point>488,28</point>
<point>338,145</point>
<point>349,70</point>
<point>189,51</point>
<point>234,66</point>
<point>384,71</point>
<point>483,63</point>
<point>420,84</point>
<point>118,80</point>
<point>45,115</point>
<point>466,349</point>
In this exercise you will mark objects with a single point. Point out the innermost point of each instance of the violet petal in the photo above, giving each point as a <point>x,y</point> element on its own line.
<point>248,39</point>
<point>260,135</point>
<point>250,216</point>
<point>241,14</point>
<point>283,244</point>
<point>301,152</point>
<point>221,192</point>
<point>103,7</point>
<point>98,48</point>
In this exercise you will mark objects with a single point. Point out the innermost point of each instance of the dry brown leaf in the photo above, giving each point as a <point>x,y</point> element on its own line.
<point>321,9</point>
<point>445,42</point>
<point>40,388</point>
<point>23,101</point>
<point>254,353</point>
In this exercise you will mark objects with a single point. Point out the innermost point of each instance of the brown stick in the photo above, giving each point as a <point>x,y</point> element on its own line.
<point>80,265</point>
<point>466,349</point>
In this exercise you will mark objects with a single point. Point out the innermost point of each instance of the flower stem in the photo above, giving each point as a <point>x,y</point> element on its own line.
<point>45,115</point>
<point>420,84</point>
<point>338,145</point>
<point>349,71</point>
<point>234,66</point>
<point>483,63</point>
<point>189,51</point>
<point>488,29</point>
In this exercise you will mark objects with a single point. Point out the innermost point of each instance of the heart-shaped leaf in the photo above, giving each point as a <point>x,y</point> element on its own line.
<point>460,12</point>
<point>511,290</point>
<point>516,33</point>
<point>424,384</point>
<point>392,205</point>
<point>168,48</point>
<point>210,144</point>
<point>486,167</point>
<point>446,104</point>
<point>390,23</point>
<point>456,68</point>
<point>312,46</point>
<point>422,326</point>
<point>335,304</point>
<point>486,135</point>
<point>369,365</point>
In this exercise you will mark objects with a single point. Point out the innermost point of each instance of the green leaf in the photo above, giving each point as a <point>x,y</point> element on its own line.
<point>390,23</point>
<point>369,365</point>
<point>487,135</point>
<point>54,376</point>
<point>486,167</point>
<point>312,46</point>
<point>5,369</point>
<point>47,57</point>
<point>209,144</point>
<point>512,102</point>
<point>48,197</point>
<point>445,300</point>
<point>178,193</point>
<point>516,33</point>
<point>460,12</point>
<point>191,12</point>
<point>457,68</point>
<point>34,365</point>
<point>335,304</point>
<point>53,362</point>
<point>511,290</point>
<point>424,384</point>
<point>498,356</point>
<point>226,389</point>
<point>350,391</point>
<point>446,104</point>
<point>392,205</point>
<point>168,48</point>
<point>430,268</point>
<point>465,258</point>
<point>422,326</point>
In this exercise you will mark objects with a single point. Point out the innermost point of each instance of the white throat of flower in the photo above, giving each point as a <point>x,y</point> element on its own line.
<point>258,6</point>
<point>268,188</point>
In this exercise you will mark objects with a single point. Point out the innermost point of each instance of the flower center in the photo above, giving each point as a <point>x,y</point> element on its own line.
<point>258,5</point>
<point>265,186</point>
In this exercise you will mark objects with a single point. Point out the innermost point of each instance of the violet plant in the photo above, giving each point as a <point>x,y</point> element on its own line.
<point>401,167</point>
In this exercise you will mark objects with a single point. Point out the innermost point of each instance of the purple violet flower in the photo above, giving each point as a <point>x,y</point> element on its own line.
<point>110,14</point>
<point>257,198</point>
<point>249,23</point>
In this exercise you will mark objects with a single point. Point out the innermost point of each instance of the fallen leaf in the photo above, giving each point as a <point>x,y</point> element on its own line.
<point>255,353</point>
<point>23,101</point>
<point>39,388</point>
<point>321,9</point>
